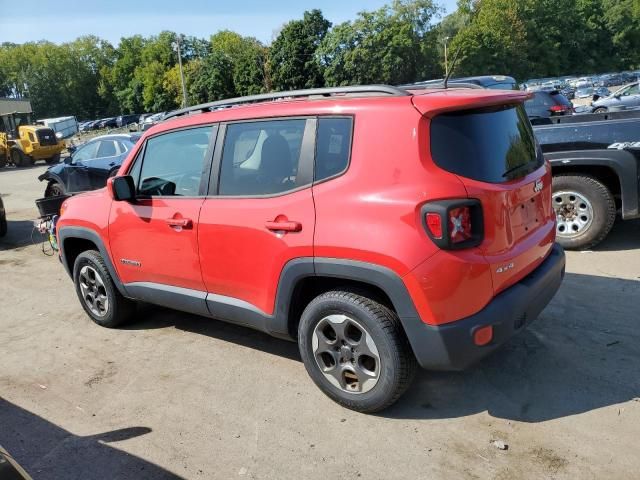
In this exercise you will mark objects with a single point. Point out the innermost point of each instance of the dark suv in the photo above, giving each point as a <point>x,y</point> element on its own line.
<point>380,228</point>
<point>546,104</point>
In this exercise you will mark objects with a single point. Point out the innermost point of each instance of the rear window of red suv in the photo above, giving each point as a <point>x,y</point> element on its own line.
<point>490,145</point>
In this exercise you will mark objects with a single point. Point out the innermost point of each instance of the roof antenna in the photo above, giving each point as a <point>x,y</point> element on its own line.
<point>453,65</point>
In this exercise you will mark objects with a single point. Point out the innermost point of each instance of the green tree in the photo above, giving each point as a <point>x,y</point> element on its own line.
<point>622,19</point>
<point>248,57</point>
<point>394,44</point>
<point>292,54</point>
<point>210,79</point>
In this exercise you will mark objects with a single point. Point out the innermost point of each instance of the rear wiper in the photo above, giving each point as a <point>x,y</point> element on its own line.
<point>515,169</point>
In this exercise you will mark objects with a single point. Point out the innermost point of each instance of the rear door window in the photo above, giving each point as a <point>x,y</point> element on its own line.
<point>261,157</point>
<point>107,148</point>
<point>490,145</point>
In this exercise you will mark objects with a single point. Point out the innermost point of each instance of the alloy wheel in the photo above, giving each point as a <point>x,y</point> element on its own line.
<point>346,354</point>
<point>93,291</point>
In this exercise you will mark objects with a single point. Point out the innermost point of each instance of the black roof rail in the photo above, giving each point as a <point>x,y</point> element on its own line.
<point>426,86</point>
<point>311,92</point>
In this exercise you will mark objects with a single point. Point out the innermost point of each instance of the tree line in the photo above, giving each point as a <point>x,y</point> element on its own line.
<point>399,43</point>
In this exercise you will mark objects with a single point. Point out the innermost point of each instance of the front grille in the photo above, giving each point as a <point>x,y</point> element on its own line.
<point>46,137</point>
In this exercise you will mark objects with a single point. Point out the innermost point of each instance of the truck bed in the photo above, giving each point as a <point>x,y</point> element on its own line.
<point>588,131</point>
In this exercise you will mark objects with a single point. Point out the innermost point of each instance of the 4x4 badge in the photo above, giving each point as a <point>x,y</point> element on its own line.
<point>538,186</point>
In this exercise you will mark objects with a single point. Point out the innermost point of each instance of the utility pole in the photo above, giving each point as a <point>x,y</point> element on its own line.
<point>446,60</point>
<point>184,88</point>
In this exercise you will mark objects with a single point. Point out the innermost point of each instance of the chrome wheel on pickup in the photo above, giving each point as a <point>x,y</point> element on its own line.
<point>574,213</point>
<point>585,210</point>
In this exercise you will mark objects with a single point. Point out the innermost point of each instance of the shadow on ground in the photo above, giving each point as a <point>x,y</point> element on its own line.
<point>625,235</point>
<point>20,233</point>
<point>583,353</point>
<point>47,451</point>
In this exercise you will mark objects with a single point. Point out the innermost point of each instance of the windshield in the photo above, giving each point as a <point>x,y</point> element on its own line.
<point>490,145</point>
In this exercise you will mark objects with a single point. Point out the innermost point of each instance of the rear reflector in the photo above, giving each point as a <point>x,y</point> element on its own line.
<point>434,224</point>
<point>483,335</point>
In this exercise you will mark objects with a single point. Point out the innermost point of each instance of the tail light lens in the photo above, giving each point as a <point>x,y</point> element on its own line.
<point>560,109</point>
<point>454,224</point>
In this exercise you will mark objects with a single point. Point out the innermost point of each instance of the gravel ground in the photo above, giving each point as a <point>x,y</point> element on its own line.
<point>178,396</point>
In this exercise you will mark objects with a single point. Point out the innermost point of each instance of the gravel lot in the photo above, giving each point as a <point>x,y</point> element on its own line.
<point>174,395</point>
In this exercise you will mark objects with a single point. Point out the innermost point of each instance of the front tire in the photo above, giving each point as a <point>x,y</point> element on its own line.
<point>54,189</point>
<point>97,293</point>
<point>355,351</point>
<point>585,211</point>
<point>600,110</point>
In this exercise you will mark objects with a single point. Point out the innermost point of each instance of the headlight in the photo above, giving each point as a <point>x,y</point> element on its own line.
<point>59,135</point>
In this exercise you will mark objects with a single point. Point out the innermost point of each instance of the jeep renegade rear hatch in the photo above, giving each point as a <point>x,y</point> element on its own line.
<point>488,143</point>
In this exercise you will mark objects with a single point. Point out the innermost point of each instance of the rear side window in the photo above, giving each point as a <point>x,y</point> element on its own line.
<point>107,148</point>
<point>490,145</point>
<point>173,163</point>
<point>333,147</point>
<point>261,158</point>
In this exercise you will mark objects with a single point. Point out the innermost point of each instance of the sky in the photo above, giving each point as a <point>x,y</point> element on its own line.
<point>64,20</point>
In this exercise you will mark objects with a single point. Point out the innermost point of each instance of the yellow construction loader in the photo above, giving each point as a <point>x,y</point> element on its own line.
<point>22,142</point>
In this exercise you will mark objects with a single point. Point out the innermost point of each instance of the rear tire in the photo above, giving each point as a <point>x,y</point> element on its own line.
<point>582,231</point>
<point>97,293</point>
<point>355,351</point>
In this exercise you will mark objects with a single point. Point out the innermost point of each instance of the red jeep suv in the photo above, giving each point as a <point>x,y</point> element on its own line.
<point>380,228</point>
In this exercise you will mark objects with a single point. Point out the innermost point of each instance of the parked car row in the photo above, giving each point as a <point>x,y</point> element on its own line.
<point>140,122</point>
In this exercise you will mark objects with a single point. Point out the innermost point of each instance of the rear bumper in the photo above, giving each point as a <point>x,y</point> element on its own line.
<point>451,347</point>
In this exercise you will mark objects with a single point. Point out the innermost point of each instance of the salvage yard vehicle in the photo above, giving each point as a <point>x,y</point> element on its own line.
<point>89,166</point>
<point>22,142</point>
<point>3,219</point>
<point>625,97</point>
<point>349,219</point>
<point>595,160</point>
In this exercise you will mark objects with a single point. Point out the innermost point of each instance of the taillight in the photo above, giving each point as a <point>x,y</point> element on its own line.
<point>454,224</point>
<point>460,224</point>
<point>559,108</point>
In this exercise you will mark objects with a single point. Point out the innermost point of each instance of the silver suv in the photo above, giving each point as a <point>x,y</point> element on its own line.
<point>626,97</point>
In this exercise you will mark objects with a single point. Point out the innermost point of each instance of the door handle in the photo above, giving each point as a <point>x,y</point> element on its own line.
<point>179,222</point>
<point>285,226</point>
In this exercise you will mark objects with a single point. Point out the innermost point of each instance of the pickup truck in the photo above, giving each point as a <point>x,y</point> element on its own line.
<point>595,160</point>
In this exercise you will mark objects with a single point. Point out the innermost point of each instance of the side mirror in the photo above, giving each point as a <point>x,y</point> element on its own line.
<point>122,189</point>
<point>617,96</point>
<point>68,160</point>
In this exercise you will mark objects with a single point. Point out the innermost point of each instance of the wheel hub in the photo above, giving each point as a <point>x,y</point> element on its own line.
<point>574,213</point>
<point>94,293</point>
<point>346,354</point>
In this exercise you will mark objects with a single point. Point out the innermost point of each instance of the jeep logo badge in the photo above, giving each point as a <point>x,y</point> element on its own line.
<point>538,186</point>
